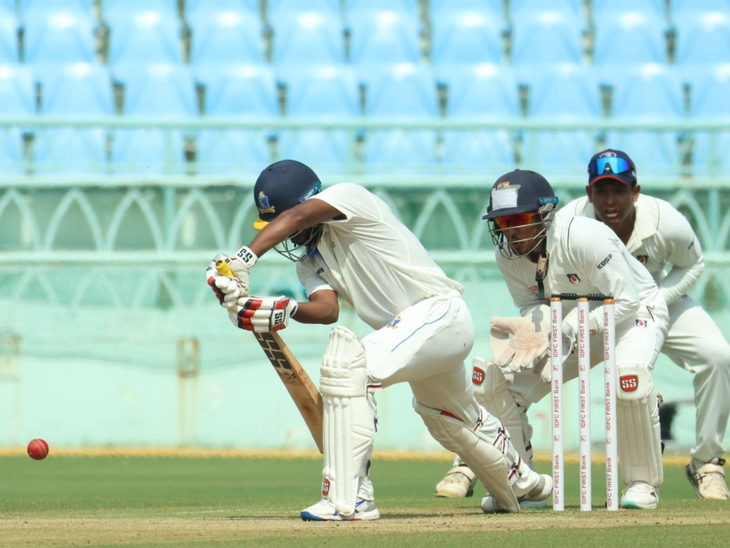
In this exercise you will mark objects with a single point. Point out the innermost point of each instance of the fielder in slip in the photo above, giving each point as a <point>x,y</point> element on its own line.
<point>348,244</point>
<point>656,234</point>
<point>541,253</point>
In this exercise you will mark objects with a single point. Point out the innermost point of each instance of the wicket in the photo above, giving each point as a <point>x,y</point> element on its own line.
<point>584,368</point>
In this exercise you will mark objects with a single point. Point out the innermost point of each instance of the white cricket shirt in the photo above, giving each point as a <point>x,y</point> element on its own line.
<point>371,259</point>
<point>661,235</point>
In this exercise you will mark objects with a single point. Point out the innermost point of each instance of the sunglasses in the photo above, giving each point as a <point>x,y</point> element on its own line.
<point>615,165</point>
<point>516,220</point>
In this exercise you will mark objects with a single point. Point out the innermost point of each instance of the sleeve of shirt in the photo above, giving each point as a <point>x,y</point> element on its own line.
<point>308,277</point>
<point>598,255</point>
<point>683,253</point>
<point>349,199</point>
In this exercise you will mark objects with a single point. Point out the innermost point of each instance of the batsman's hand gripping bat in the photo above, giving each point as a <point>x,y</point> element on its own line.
<point>301,388</point>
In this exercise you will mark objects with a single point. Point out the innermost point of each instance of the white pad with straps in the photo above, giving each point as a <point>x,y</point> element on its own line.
<point>349,418</point>
<point>482,455</point>
<point>491,391</point>
<point>639,434</point>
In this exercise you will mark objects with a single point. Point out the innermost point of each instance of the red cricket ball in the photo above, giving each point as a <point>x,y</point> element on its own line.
<point>38,449</point>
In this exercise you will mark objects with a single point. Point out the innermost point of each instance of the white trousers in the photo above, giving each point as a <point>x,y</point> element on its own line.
<point>695,343</point>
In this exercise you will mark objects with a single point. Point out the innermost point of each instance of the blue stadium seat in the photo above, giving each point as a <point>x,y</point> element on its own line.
<point>80,88</point>
<point>408,7</point>
<point>710,93</point>
<point>564,91</point>
<point>480,91</point>
<point>553,152</point>
<point>11,151</point>
<point>652,152</point>
<point>86,6</point>
<point>160,90</point>
<point>151,151</point>
<point>385,36</point>
<point>398,150</point>
<point>225,36</point>
<point>400,90</point>
<point>609,9</point>
<point>645,92</point>
<point>58,36</point>
<point>468,149</point>
<point>680,6</point>
<point>629,37</point>
<point>17,91</point>
<point>198,6</point>
<point>493,9</point>
<point>703,38</point>
<point>541,36</point>
<point>231,151</point>
<point>323,91</point>
<point>70,150</point>
<point>710,153</point>
<point>9,45</point>
<point>144,37</point>
<point>115,9</point>
<point>330,150</point>
<point>239,90</point>
<point>308,37</point>
<point>277,8</point>
<point>572,6</point>
<point>466,36</point>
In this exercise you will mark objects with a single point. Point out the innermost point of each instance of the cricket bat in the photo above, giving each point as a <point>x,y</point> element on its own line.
<point>301,388</point>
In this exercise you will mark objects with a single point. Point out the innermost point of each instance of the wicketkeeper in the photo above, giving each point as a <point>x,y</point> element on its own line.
<point>348,244</point>
<point>540,253</point>
<point>658,235</point>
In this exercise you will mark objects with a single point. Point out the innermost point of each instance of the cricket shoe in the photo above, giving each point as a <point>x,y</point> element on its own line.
<point>708,480</point>
<point>532,499</point>
<point>458,483</point>
<point>640,495</point>
<point>324,510</point>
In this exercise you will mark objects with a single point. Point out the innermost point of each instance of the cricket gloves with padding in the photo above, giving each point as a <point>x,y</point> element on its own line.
<point>263,314</point>
<point>229,289</point>
<point>526,346</point>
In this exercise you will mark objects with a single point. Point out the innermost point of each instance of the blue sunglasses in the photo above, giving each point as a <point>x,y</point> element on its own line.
<point>609,164</point>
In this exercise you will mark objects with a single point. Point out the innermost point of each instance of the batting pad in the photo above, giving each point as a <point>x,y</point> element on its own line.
<point>639,434</point>
<point>349,418</point>
<point>485,460</point>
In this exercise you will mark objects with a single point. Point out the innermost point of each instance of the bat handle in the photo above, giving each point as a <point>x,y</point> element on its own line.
<point>223,269</point>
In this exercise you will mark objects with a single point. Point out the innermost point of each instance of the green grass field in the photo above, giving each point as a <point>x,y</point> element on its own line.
<point>112,501</point>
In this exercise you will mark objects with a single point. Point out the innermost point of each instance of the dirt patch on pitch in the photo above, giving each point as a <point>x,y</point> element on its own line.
<point>243,528</point>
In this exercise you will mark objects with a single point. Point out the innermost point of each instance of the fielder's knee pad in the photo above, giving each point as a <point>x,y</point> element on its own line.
<point>485,460</point>
<point>492,391</point>
<point>639,437</point>
<point>349,418</point>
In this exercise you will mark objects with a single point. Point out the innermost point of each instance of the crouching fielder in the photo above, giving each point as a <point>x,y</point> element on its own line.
<point>540,253</point>
<point>349,245</point>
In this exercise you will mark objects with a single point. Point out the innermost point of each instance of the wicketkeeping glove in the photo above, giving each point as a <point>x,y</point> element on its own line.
<point>263,314</point>
<point>527,346</point>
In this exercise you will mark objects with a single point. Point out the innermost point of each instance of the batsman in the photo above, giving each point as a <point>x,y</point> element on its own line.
<point>348,244</point>
<point>540,253</point>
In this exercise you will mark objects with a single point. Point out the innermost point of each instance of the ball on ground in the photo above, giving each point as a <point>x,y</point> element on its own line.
<point>37,449</point>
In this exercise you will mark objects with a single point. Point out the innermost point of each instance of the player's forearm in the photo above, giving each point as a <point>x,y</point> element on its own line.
<point>277,231</point>
<point>317,312</point>
<point>679,281</point>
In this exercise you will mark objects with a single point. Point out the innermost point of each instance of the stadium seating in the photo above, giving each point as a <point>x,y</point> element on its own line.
<point>231,151</point>
<point>685,7</point>
<point>328,150</point>
<point>58,36</point>
<point>607,10</point>
<point>115,9</point>
<point>144,37</point>
<point>198,6</point>
<point>398,150</point>
<point>703,37</point>
<point>160,90</point>
<point>77,89</point>
<point>384,36</point>
<point>709,153</point>
<point>147,151</point>
<point>9,44</point>
<point>541,36</point>
<point>568,6</point>
<point>493,9</point>
<point>85,6</point>
<point>239,90</point>
<point>17,91</point>
<point>11,151</point>
<point>563,91</point>
<point>710,92</point>
<point>480,91</point>
<point>558,152</point>
<point>278,7</point>
<point>407,7</point>
<point>225,37</point>
<point>654,153</point>
<point>464,150</point>
<point>629,37</point>
<point>404,90</point>
<point>326,91</point>
<point>70,150</point>
<point>308,37</point>
<point>644,92</point>
<point>466,36</point>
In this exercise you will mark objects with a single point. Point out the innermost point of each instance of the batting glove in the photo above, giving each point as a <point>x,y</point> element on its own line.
<point>263,314</point>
